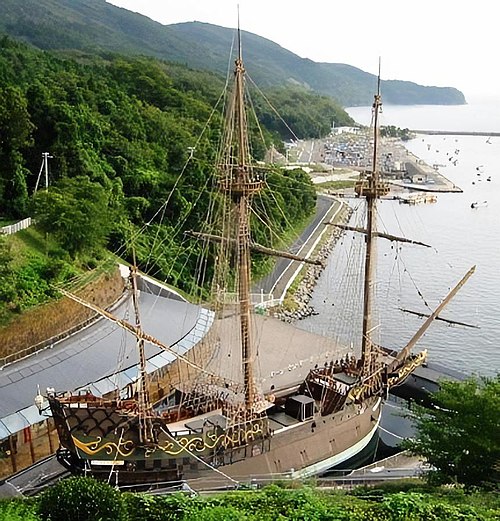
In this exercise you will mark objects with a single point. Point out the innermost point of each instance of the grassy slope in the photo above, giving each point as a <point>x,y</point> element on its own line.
<point>41,322</point>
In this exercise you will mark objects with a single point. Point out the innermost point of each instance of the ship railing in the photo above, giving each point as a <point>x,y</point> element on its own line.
<point>345,479</point>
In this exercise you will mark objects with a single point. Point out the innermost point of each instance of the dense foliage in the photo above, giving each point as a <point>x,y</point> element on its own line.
<point>29,269</point>
<point>121,131</point>
<point>459,435</point>
<point>83,499</point>
<point>77,212</point>
<point>299,113</point>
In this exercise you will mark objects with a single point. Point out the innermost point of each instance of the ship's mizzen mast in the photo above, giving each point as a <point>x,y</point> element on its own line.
<point>374,189</point>
<point>238,183</point>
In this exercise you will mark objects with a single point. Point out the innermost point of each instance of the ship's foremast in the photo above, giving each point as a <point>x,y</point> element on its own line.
<point>372,191</point>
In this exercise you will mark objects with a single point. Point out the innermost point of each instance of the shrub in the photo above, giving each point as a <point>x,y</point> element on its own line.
<point>219,513</point>
<point>81,499</point>
<point>142,507</point>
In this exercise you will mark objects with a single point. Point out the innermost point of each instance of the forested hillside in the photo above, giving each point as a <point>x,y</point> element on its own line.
<point>120,130</point>
<point>96,25</point>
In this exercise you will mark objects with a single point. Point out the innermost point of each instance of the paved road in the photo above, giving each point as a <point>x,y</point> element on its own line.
<point>310,151</point>
<point>284,269</point>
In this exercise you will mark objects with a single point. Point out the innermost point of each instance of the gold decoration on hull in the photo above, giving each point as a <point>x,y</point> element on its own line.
<point>198,444</point>
<point>123,448</point>
<point>407,369</point>
<point>188,444</point>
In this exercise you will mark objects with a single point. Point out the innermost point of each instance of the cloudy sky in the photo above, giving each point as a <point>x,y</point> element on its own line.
<point>431,42</point>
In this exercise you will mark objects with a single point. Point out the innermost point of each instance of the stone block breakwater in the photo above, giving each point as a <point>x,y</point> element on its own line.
<point>311,273</point>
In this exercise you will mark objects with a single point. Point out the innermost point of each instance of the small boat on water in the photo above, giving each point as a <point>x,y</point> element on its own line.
<point>479,204</point>
<point>419,198</point>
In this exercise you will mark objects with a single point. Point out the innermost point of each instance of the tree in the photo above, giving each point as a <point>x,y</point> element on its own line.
<point>76,212</point>
<point>15,135</point>
<point>459,435</point>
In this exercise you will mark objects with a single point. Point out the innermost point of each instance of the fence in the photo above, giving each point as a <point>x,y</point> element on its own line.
<point>13,228</point>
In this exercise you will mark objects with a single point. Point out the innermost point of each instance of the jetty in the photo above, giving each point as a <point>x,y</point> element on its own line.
<point>419,175</point>
<point>455,133</point>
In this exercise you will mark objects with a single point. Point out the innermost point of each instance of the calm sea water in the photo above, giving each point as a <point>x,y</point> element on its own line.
<point>418,278</point>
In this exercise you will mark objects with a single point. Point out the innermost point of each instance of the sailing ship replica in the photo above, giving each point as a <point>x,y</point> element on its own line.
<point>213,427</point>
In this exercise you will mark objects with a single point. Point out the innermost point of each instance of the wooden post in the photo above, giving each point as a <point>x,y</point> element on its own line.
<point>13,453</point>
<point>51,447</point>
<point>29,439</point>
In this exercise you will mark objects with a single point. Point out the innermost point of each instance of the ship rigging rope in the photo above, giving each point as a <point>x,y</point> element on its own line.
<point>224,157</point>
<point>115,458</point>
<point>347,290</point>
<point>178,228</point>
<point>399,259</point>
<point>280,209</point>
<point>162,209</point>
<point>273,109</point>
<point>254,113</point>
<point>122,350</point>
<point>140,334</point>
<point>179,224</point>
<point>265,222</point>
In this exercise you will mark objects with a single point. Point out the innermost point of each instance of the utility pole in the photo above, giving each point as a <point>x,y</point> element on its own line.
<point>45,169</point>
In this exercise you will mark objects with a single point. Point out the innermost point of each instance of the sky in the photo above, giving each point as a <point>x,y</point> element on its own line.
<point>446,43</point>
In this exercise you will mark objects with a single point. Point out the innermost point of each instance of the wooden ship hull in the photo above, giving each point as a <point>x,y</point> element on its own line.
<point>200,438</point>
<point>289,440</point>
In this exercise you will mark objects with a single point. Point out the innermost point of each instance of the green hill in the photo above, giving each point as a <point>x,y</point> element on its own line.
<point>127,134</point>
<point>94,25</point>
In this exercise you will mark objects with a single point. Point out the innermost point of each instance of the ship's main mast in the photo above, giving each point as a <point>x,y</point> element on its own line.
<point>239,183</point>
